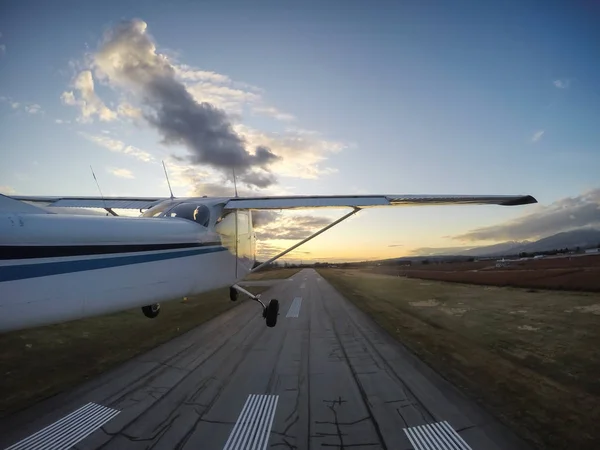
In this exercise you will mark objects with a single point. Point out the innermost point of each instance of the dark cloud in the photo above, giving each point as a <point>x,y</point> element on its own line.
<point>259,179</point>
<point>212,190</point>
<point>127,58</point>
<point>396,245</point>
<point>262,218</point>
<point>291,228</point>
<point>563,215</point>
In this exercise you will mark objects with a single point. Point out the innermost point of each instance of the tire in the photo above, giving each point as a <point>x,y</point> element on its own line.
<point>272,313</point>
<point>151,311</point>
<point>233,294</point>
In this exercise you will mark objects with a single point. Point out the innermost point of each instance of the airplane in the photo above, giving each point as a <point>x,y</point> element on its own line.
<point>57,267</point>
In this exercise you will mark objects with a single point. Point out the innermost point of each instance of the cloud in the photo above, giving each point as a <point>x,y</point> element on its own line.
<point>562,84</point>
<point>198,111</point>
<point>562,215</point>
<point>33,108</point>
<point>537,136</point>
<point>89,103</point>
<point>289,227</point>
<point>115,145</point>
<point>7,190</point>
<point>2,49</point>
<point>227,98</point>
<point>262,218</point>
<point>189,73</point>
<point>396,245</point>
<point>430,251</point>
<point>122,173</point>
<point>199,181</point>
<point>265,250</point>
<point>61,121</point>
<point>300,152</point>
<point>126,110</point>
<point>273,112</point>
<point>30,108</point>
<point>127,59</point>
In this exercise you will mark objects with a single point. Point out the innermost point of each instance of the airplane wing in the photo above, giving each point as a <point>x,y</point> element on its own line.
<point>290,202</point>
<point>371,201</point>
<point>93,202</point>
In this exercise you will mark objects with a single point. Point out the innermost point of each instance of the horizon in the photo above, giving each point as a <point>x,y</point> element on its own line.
<point>313,100</point>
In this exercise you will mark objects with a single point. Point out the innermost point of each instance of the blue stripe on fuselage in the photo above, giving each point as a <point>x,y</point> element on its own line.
<point>24,271</point>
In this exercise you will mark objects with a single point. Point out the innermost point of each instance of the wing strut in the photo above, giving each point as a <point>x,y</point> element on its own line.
<point>293,247</point>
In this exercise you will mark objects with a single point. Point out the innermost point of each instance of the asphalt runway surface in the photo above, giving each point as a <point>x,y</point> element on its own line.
<point>326,377</point>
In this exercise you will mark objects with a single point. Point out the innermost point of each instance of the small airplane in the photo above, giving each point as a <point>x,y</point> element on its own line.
<point>60,267</point>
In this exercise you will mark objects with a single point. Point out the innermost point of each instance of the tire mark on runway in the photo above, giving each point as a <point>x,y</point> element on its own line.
<point>419,406</point>
<point>269,388</point>
<point>169,419</point>
<point>149,376</point>
<point>308,375</point>
<point>224,384</point>
<point>359,385</point>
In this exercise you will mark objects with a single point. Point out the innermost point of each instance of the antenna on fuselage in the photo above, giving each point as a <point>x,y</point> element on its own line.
<point>100,190</point>
<point>235,183</point>
<point>168,182</point>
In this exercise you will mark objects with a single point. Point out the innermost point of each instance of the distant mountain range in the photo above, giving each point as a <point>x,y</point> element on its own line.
<point>582,238</point>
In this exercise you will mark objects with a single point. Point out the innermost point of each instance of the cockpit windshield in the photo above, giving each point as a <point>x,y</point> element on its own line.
<point>157,210</point>
<point>190,211</point>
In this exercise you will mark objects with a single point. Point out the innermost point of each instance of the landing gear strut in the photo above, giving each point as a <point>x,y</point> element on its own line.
<point>270,311</point>
<point>151,311</point>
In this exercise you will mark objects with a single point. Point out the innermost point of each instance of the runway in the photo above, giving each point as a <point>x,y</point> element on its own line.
<point>325,377</point>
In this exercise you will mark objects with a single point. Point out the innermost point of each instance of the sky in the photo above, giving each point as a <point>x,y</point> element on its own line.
<point>337,97</point>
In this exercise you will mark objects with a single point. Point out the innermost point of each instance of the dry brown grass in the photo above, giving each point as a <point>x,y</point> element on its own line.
<point>580,273</point>
<point>529,357</point>
<point>272,274</point>
<point>40,362</point>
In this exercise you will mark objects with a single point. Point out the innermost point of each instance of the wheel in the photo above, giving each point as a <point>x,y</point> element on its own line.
<point>272,312</point>
<point>233,294</point>
<point>151,311</point>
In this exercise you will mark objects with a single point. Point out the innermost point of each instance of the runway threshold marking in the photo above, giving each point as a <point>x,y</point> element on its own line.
<point>295,308</point>
<point>435,436</point>
<point>68,431</point>
<point>253,426</point>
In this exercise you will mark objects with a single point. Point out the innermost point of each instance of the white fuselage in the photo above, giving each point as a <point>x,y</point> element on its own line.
<point>56,267</point>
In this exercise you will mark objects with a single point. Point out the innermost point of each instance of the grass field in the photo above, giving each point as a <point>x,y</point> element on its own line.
<point>272,274</point>
<point>41,362</point>
<point>531,358</point>
<point>578,273</point>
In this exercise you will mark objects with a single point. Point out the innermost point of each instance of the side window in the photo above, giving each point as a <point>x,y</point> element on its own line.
<point>243,222</point>
<point>226,225</point>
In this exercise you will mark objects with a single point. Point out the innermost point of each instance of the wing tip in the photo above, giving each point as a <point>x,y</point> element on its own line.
<point>523,200</point>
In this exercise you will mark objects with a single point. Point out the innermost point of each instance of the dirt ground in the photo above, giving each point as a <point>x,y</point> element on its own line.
<point>40,362</point>
<point>531,358</point>
<point>580,273</point>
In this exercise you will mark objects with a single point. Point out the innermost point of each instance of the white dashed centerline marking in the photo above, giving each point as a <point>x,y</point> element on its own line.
<point>69,430</point>
<point>303,285</point>
<point>435,436</point>
<point>253,426</point>
<point>295,308</point>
